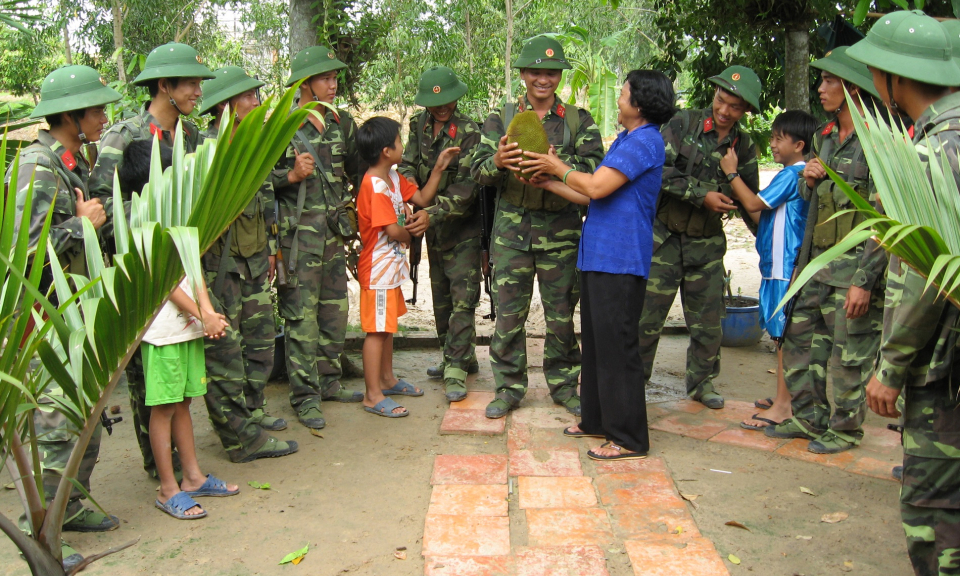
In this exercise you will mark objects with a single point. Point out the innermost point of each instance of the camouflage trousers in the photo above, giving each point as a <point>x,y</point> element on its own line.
<point>455,286</point>
<point>314,306</point>
<point>246,302</point>
<point>56,437</point>
<point>695,267</point>
<point>819,335</point>
<point>556,274</point>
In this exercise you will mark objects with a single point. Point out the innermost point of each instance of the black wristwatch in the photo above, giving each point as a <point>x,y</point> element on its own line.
<point>732,176</point>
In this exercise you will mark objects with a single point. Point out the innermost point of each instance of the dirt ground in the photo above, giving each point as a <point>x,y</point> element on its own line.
<point>361,491</point>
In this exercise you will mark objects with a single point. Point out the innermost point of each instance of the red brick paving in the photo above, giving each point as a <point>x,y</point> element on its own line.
<point>565,526</point>
<point>560,462</point>
<point>462,421</point>
<point>462,535</point>
<point>690,425</point>
<point>572,492</point>
<point>478,469</point>
<point>561,560</point>
<point>474,401</point>
<point>748,439</point>
<point>473,500</point>
<point>695,557</point>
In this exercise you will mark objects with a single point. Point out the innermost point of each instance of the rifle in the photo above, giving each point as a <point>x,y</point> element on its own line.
<point>416,254</point>
<point>488,196</point>
<point>108,422</point>
<point>275,230</point>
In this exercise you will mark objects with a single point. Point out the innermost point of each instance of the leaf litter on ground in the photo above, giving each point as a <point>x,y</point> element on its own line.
<point>806,490</point>
<point>834,517</point>
<point>736,524</point>
<point>297,556</point>
<point>259,485</point>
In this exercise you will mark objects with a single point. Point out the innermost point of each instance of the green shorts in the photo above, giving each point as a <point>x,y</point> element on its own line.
<point>174,372</point>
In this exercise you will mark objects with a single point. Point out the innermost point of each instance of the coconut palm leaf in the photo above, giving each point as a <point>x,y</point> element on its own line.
<point>922,221</point>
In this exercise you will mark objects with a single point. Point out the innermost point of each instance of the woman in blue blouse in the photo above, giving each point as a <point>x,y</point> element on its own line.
<point>614,260</point>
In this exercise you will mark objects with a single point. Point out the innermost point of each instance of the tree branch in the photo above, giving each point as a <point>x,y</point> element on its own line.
<point>94,557</point>
<point>38,558</point>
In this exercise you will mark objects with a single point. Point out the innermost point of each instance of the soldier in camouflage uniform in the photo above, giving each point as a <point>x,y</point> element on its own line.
<point>536,233</point>
<point>72,100</point>
<point>240,277</point>
<point>313,184</point>
<point>909,56</point>
<point>172,74</point>
<point>836,316</point>
<point>688,238</point>
<point>452,221</point>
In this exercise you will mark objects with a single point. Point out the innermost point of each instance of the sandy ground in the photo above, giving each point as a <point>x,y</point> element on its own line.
<point>361,491</point>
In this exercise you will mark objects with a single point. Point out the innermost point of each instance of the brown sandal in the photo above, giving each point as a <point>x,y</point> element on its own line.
<point>620,456</point>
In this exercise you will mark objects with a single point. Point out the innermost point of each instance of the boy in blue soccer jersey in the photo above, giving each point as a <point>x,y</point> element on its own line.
<point>782,216</point>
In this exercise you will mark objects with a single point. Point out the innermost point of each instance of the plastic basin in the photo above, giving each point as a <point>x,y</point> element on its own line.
<point>741,327</point>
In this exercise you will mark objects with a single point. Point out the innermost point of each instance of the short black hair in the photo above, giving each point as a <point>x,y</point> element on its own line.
<point>376,134</point>
<point>153,86</point>
<point>796,124</point>
<point>134,168</point>
<point>55,120</point>
<point>652,92</point>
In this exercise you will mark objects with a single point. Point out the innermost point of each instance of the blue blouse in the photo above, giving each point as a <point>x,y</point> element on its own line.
<point>618,233</point>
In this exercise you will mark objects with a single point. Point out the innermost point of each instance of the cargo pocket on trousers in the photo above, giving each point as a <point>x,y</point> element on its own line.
<point>288,300</point>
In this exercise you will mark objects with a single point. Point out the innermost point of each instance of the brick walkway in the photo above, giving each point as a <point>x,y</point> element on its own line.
<point>571,513</point>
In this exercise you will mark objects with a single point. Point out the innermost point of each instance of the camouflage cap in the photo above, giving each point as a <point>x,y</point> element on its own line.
<point>312,61</point>
<point>838,63</point>
<point>73,88</point>
<point>227,82</point>
<point>740,81</point>
<point>173,60</point>
<point>909,44</point>
<point>542,52</point>
<point>438,86</point>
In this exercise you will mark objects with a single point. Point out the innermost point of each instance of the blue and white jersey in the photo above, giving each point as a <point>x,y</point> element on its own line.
<point>781,228</point>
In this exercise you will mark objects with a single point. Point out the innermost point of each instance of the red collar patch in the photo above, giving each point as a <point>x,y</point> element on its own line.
<point>68,159</point>
<point>561,111</point>
<point>910,132</point>
<point>828,128</point>
<point>453,131</point>
<point>156,130</point>
<point>708,124</point>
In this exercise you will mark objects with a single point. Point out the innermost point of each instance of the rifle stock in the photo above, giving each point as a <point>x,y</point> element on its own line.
<point>416,255</point>
<point>275,230</point>
<point>487,198</point>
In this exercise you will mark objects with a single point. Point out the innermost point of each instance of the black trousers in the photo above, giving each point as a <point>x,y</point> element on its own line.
<point>612,388</point>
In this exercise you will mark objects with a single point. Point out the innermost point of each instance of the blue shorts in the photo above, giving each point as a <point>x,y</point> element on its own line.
<point>771,293</point>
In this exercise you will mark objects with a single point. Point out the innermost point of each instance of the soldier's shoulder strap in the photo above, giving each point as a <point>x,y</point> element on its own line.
<point>44,156</point>
<point>507,113</point>
<point>421,126</point>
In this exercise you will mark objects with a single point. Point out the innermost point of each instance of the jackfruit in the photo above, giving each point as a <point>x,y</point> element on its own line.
<point>526,129</point>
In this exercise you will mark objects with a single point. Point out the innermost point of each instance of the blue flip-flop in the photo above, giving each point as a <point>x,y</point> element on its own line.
<point>402,388</point>
<point>178,505</point>
<point>212,486</point>
<point>386,407</point>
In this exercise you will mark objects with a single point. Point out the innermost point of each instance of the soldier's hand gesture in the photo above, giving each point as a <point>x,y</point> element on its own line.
<point>508,155</point>
<point>718,202</point>
<point>813,172</point>
<point>302,168</point>
<point>445,157</point>
<point>729,161</point>
<point>91,209</point>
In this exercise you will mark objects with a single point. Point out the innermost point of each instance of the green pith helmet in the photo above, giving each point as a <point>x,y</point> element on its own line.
<point>542,52</point>
<point>438,86</point>
<point>952,28</point>
<point>741,81</point>
<point>173,60</point>
<point>73,88</point>
<point>909,44</point>
<point>841,65</point>
<point>312,61</point>
<point>227,82</point>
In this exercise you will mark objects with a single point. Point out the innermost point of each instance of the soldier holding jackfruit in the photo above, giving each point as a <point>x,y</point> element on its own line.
<point>452,222</point>
<point>536,233</point>
<point>837,315</point>
<point>688,238</point>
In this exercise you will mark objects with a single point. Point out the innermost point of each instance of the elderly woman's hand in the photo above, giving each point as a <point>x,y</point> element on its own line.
<point>549,163</point>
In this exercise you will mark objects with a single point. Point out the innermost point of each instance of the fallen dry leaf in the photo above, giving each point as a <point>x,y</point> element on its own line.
<point>834,517</point>
<point>736,524</point>
<point>401,548</point>
<point>733,559</point>
<point>316,433</point>
<point>115,409</point>
<point>804,537</point>
<point>400,555</point>
<point>771,371</point>
<point>689,497</point>
<point>806,490</point>
<point>297,560</point>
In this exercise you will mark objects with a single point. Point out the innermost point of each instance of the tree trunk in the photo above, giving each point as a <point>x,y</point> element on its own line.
<point>507,91</point>
<point>118,38</point>
<point>66,42</point>
<point>303,29</point>
<point>468,38</point>
<point>796,70</point>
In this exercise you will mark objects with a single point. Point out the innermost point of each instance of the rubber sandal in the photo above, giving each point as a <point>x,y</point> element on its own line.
<point>620,455</point>
<point>213,487</point>
<point>402,388</point>
<point>764,404</point>
<point>386,407</point>
<point>581,434</point>
<point>273,448</point>
<point>757,416</point>
<point>178,505</point>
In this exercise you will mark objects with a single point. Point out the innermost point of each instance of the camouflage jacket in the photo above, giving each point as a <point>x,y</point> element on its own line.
<point>250,231</point>
<point>691,137</point>
<point>521,229</point>
<point>864,265</point>
<point>919,327</point>
<point>339,161</point>
<point>454,215</point>
<point>55,172</point>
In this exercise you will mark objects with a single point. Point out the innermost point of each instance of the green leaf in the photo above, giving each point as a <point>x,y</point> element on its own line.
<point>733,559</point>
<point>296,556</point>
<point>259,485</point>
<point>860,14</point>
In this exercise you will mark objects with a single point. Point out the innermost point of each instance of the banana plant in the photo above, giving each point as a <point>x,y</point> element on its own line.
<point>84,343</point>
<point>922,221</point>
<point>591,80</point>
